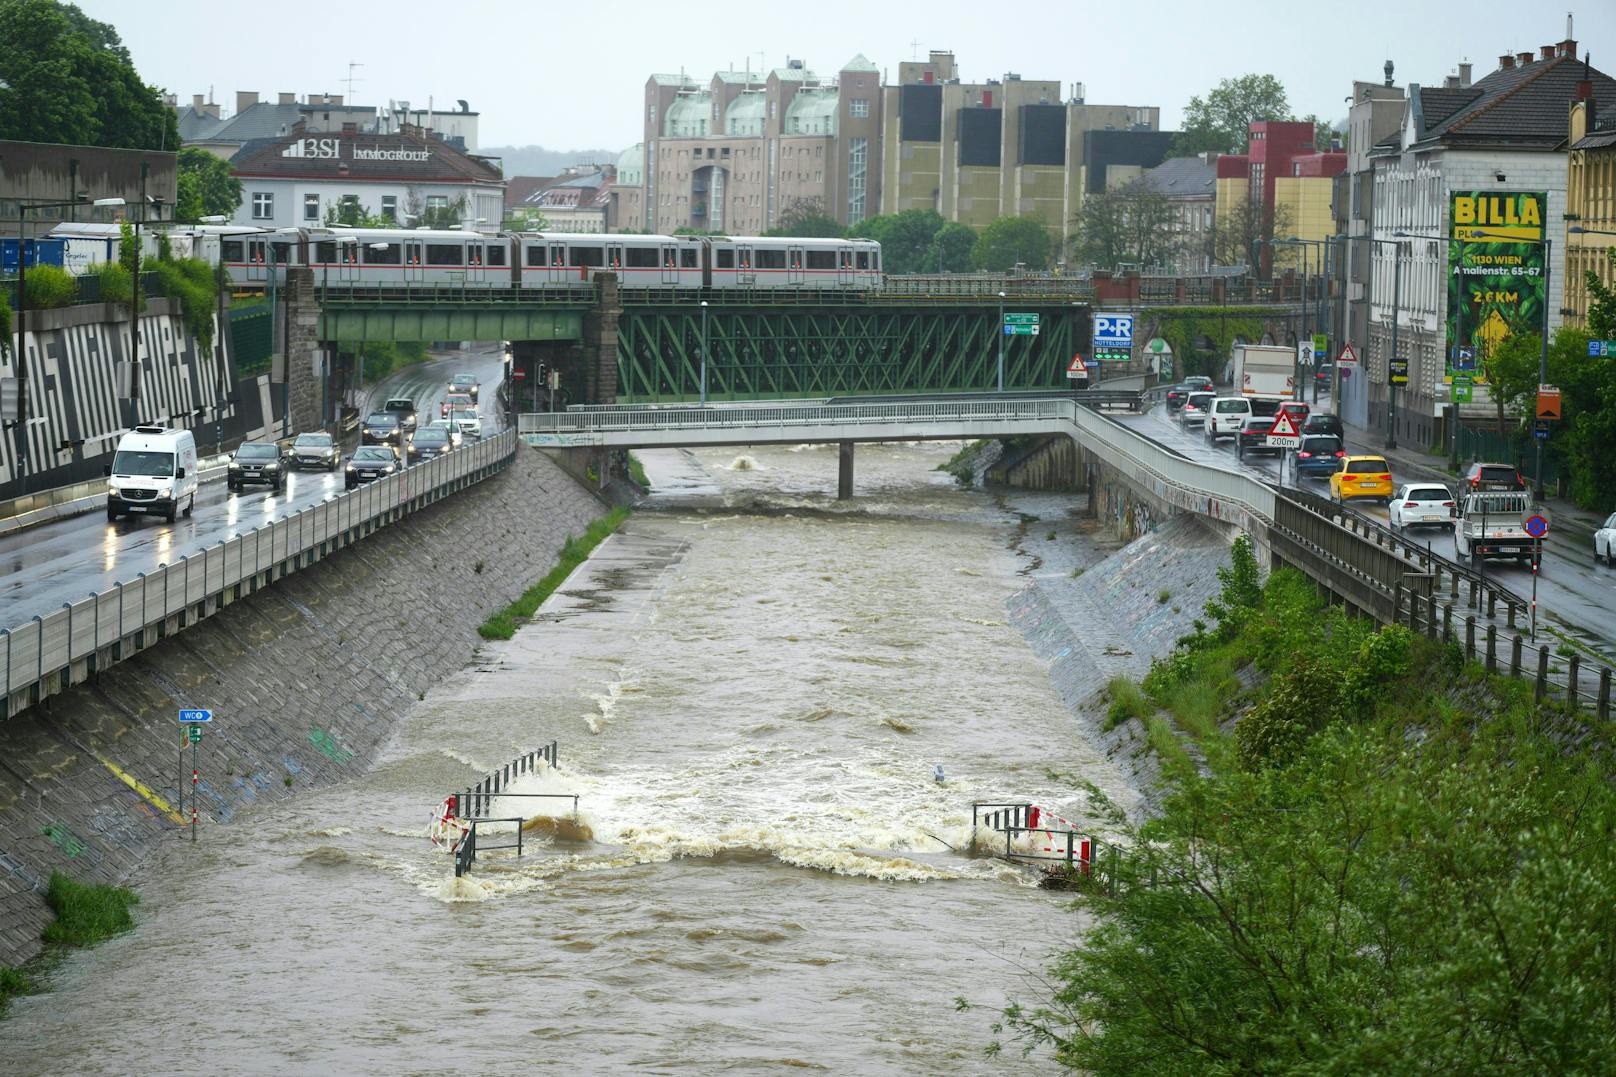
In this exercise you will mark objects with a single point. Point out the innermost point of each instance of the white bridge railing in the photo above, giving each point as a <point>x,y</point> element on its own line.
<point>67,644</point>
<point>1185,483</point>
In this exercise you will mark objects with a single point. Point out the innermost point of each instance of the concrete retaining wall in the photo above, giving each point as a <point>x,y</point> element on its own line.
<point>307,679</point>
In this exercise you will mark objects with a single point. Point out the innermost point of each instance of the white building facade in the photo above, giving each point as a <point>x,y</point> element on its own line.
<point>297,181</point>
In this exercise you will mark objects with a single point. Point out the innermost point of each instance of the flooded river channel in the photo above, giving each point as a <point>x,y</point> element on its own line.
<point>751,685</point>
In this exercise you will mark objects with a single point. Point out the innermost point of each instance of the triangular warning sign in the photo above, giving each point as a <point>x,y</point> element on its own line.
<point>1347,354</point>
<point>1076,365</point>
<point>1284,427</point>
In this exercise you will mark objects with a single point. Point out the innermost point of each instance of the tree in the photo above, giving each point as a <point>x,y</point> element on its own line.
<point>66,78</point>
<point>806,217</point>
<point>950,249</point>
<point>905,237</point>
<point>1323,131</point>
<point>1244,224</point>
<point>206,187</point>
<point>1221,121</point>
<point>1012,241</point>
<point>1132,225</point>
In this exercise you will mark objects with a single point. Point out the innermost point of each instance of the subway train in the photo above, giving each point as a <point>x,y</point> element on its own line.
<point>391,258</point>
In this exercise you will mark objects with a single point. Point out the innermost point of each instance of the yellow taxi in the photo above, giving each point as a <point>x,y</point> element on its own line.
<point>1361,476</point>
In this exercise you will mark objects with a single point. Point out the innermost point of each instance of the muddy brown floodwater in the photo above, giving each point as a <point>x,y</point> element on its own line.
<point>751,685</point>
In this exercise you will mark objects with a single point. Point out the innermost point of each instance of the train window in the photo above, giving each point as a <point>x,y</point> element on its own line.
<point>283,253</point>
<point>535,257</point>
<point>641,258</point>
<point>588,256</point>
<point>444,254</point>
<point>231,250</point>
<point>875,260</point>
<point>821,259</point>
<point>726,258</point>
<point>864,259</point>
<point>496,255</point>
<point>389,254</point>
<point>687,257</point>
<point>767,259</point>
<point>325,252</point>
<point>558,256</point>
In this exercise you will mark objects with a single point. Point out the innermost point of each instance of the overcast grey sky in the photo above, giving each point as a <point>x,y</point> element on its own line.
<point>571,76</point>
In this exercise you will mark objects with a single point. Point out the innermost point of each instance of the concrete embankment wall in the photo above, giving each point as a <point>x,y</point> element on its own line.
<point>1112,620</point>
<point>307,679</point>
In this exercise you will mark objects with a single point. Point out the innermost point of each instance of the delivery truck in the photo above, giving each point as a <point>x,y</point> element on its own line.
<point>1264,370</point>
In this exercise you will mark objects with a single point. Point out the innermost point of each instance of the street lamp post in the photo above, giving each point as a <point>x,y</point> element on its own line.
<point>703,386</point>
<point>1001,342</point>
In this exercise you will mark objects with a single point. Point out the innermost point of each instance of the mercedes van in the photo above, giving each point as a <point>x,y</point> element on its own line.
<point>154,471</point>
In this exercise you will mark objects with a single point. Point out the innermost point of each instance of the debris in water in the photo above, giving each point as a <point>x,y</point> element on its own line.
<point>937,775</point>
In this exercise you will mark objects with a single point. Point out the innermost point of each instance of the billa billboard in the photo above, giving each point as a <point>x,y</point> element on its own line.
<point>1496,284</point>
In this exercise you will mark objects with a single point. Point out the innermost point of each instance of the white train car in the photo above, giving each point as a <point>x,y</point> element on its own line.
<point>555,258</point>
<point>407,257</point>
<point>794,263</point>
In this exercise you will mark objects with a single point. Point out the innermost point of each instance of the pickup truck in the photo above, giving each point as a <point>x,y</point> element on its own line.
<point>1492,524</point>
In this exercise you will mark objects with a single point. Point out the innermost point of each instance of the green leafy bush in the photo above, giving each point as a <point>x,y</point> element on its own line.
<point>117,286</point>
<point>1294,705</point>
<point>49,287</point>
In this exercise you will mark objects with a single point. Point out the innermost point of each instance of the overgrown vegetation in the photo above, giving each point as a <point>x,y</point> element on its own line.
<point>116,285</point>
<point>381,357</point>
<point>574,552</point>
<point>87,913</point>
<point>962,465</point>
<point>48,287</point>
<point>1392,863</point>
<point>636,471</point>
<point>195,284</point>
<point>1127,702</point>
<point>12,983</point>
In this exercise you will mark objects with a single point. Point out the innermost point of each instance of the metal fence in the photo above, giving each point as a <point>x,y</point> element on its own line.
<point>48,652</point>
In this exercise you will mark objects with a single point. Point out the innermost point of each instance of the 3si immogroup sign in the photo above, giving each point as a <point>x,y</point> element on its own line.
<point>1495,272</point>
<point>331,149</point>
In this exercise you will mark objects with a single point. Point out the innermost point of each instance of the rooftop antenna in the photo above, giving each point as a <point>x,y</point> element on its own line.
<point>350,80</point>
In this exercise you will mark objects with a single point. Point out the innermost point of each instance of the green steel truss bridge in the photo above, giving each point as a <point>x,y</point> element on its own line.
<point>917,335</point>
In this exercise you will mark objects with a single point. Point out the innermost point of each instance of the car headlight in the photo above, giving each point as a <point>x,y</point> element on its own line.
<point>388,469</point>
<point>234,466</point>
<point>350,467</point>
<point>272,467</point>
<point>166,490</point>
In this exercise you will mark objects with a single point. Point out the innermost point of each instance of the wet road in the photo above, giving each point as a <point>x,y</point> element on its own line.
<point>47,566</point>
<point>751,684</point>
<point>1576,594</point>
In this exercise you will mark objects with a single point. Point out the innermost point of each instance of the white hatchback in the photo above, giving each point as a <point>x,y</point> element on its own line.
<point>1605,542</point>
<point>1420,504</point>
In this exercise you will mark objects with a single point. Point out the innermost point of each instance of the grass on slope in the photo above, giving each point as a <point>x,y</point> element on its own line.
<point>574,552</point>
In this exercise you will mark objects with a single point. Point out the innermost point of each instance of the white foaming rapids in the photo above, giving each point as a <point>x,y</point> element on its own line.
<point>877,814</point>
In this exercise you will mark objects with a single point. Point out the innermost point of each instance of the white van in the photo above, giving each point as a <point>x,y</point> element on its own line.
<point>153,471</point>
<point>1225,416</point>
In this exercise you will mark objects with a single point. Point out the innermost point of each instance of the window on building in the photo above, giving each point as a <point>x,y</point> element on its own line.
<point>263,205</point>
<point>859,107</point>
<point>726,258</point>
<point>444,254</point>
<point>311,207</point>
<point>437,201</point>
<point>390,207</point>
<point>724,152</point>
<point>857,168</point>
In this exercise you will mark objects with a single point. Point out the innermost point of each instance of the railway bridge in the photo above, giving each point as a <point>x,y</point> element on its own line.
<point>594,343</point>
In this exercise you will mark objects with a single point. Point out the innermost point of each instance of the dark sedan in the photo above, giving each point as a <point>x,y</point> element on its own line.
<point>380,428</point>
<point>466,383</point>
<point>1177,395</point>
<point>1319,455</point>
<point>1323,423</point>
<point>369,462</point>
<point>315,450</point>
<point>429,443</point>
<point>256,461</point>
<point>1253,435</point>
